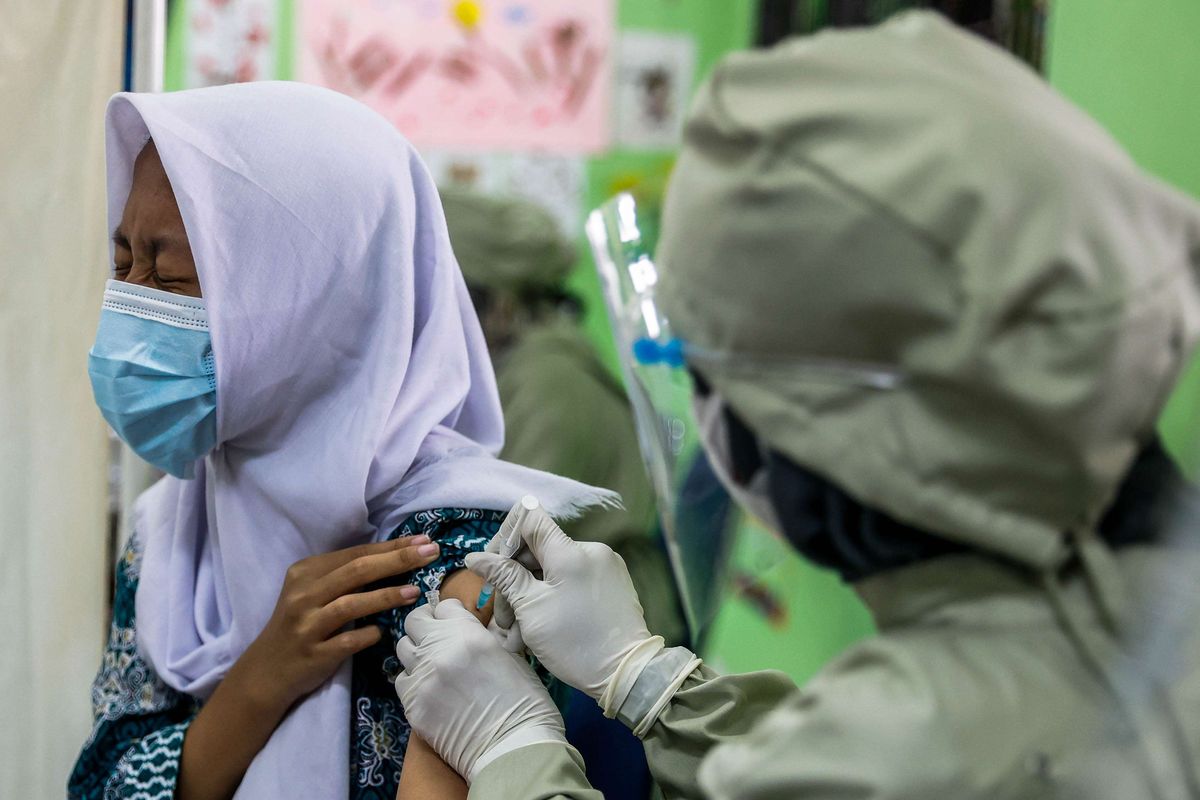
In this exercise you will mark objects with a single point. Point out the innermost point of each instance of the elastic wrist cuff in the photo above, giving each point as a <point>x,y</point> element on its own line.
<point>655,687</point>
<point>621,683</point>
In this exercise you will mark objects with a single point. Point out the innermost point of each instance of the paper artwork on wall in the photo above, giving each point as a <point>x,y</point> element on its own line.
<point>556,183</point>
<point>480,172</point>
<point>654,82</point>
<point>470,74</point>
<point>230,41</point>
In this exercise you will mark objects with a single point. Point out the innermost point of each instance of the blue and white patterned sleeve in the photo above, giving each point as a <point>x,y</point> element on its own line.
<point>379,731</point>
<point>137,737</point>
<point>458,531</point>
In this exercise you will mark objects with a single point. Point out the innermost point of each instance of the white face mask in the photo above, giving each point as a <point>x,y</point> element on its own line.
<point>753,497</point>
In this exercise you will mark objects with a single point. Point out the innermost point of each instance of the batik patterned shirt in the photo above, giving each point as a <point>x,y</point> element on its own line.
<point>136,742</point>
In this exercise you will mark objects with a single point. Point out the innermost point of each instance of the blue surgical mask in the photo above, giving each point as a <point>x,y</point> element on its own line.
<point>153,375</point>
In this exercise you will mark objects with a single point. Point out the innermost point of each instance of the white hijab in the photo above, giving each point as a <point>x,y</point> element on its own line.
<point>353,383</point>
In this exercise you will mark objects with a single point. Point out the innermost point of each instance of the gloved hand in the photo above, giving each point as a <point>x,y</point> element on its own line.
<point>583,620</point>
<point>503,624</point>
<point>471,700</point>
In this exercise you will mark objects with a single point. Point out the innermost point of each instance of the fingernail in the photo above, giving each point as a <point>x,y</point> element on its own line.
<point>410,593</point>
<point>422,539</point>
<point>427,550</point>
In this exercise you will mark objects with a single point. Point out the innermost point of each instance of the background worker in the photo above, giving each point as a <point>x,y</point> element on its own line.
<point>564,411</point>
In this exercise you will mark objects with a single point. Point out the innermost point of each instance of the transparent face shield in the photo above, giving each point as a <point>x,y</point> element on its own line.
<point>660,392</point>
<point>697,514</point>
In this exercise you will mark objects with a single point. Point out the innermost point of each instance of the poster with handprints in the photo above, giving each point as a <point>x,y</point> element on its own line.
<point>229,41</point>
<point>470,74</point>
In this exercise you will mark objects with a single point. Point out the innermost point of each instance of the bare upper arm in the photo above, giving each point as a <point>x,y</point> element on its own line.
<point>464,586</point>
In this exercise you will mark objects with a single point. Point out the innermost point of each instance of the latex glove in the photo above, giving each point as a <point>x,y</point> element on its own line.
<point>470,699</point>
<point>582,618</point>
<point>503,623</point>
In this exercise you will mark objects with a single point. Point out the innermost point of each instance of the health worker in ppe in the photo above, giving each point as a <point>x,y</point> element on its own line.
<point>932,312</point>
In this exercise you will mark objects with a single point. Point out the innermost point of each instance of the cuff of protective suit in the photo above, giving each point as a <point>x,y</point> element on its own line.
<point>657,683</point>
<point>522,737</point>
<point>537,770</point>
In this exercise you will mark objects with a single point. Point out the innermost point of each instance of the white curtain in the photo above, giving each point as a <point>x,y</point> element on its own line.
<point>59,62</point>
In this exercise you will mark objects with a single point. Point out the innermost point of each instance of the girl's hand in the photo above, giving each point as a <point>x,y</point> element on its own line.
<point>304,642</point>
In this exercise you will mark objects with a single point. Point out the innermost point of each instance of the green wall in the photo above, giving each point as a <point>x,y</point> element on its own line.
<point>1135,66</point>
<point>817,616</point>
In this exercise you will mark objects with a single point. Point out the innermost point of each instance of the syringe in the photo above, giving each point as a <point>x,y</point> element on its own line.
<point>510,540</point>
